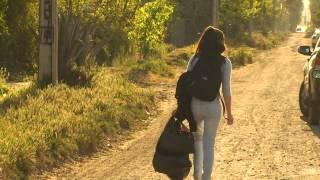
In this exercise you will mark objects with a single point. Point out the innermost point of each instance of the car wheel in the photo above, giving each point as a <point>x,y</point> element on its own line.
<point>313,116</point>
<point>303,101</point>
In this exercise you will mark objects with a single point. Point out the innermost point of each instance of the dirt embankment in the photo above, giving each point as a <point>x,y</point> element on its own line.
<point>268,140</point>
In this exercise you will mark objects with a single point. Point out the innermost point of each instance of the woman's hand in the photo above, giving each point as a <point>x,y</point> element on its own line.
<point>230,119</point>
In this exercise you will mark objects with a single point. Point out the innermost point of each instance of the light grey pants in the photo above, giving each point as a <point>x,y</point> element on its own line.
<point>207,116</point>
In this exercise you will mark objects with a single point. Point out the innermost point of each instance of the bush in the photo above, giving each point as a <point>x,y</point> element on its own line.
<point>40,128</point>
<point>3,76</point>
<point>180,57</point>
<point>150,25</point>
<point>158,67</point>
<point>241,56</point>
<point>262,41</point>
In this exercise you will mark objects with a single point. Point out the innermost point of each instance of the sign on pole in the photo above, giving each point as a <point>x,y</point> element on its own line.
<point>48,48</point>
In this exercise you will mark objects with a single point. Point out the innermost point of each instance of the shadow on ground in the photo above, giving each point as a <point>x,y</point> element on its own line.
<point>314,128</point>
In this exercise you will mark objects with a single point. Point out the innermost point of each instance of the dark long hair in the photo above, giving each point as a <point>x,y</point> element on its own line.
<point>211,43</point>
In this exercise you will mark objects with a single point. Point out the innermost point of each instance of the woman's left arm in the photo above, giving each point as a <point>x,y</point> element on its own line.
<point>226,89</point>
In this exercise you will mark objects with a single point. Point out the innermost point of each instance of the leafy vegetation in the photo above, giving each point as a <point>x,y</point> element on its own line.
<point>157,66</point>
<point>241,56</point>
<point>240,16</point>
<point>315,13</point>
<point>3,76</point>
<point>18,35</point>
<point>147,23</point>
<point>43,127</point>
<point>125,28</point>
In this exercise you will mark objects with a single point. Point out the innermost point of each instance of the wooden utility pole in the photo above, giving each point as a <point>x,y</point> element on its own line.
<point>48,47</point>
<point>215,13</point>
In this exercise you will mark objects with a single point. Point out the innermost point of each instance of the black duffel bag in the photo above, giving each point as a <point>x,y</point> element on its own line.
<point>173,140</point>
<point>172,151</point>
<point>175,166</point>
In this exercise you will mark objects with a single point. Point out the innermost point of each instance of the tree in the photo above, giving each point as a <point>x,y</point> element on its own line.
<point>20,22</point>
<point>150,25</point>
<point>315,13</point>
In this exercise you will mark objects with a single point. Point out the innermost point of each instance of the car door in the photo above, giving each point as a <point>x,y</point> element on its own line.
<point>308,66</point>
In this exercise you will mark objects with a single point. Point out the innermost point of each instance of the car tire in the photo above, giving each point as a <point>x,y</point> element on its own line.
<point>313,114</point>
<point>303,101</point>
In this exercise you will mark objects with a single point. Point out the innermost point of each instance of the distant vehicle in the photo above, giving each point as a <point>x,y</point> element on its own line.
<point>315,36</point>
<point>309,95</point>
<point>299,29</point>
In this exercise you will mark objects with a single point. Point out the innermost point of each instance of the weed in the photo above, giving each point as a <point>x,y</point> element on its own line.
<point>3,78</point>
<point>241,56</point>
<point>157,66</point>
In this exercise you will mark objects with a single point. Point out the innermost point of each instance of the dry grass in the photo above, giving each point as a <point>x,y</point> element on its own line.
<point>41,127</point>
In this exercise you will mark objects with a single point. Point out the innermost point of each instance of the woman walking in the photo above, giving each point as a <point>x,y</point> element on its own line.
<point>207,114</point>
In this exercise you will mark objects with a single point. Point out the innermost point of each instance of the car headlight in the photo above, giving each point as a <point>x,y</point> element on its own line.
<point>316,74</point>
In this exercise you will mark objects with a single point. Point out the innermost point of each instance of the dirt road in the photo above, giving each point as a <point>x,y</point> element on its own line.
<point>267,141</point>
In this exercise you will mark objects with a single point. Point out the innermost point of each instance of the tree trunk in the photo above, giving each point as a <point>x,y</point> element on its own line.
<point>215,13</point>
<point>274,6</point>
<point>251,17</point>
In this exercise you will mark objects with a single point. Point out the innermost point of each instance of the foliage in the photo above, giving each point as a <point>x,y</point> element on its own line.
<point>114,21</point>
<point>315,13</point>
<point>261,41</point>
<point>76,47</point>
<point>239,16</point>
<point>18,30</point>
<point>3,77</point>
<point>156,66</point>
<point>149,25</point>
<point>40,128</point>
<point>295,11</point>
<point>241,56</point>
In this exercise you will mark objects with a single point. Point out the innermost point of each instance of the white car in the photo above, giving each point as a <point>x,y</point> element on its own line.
<point>299,29</point>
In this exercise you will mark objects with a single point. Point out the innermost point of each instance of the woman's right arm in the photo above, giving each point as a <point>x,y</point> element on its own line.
<point>228,100</point>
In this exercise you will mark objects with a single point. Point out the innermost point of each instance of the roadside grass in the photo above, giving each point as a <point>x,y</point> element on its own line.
<point>4,90</point>
<point>41,127</point>
<point>162,66</point>
<point>242,48</point>
<point>156,66</point>
<point>259,40</point>
<point>241,56</point>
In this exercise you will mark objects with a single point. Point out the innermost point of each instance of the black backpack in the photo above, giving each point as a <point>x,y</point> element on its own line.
<point>206,78</point>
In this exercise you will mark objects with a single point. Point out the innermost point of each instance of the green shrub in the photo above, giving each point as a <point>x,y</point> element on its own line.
<point>241,56</point>
<point>180,57</point>
<point>150,25</point>
<point>260,40</point>
<point>157,66</point>
<point>46,126</point>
